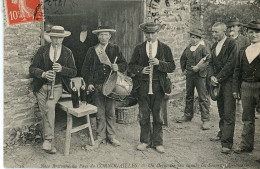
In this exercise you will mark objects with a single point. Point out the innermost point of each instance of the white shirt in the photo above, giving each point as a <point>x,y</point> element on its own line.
<point>52,53</point>
<point>219,45</point>
<point>252,51</point>
<point>83,35</point>
<point>193,48</point>
<point>154,48</point>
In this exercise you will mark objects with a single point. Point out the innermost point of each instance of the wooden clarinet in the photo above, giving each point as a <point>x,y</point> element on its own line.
<point>151,70</point>
<point>53,82</point>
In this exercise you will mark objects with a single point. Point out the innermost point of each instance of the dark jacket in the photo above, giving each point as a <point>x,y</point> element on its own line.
<point>82,48</point>
<point>189,58</point>
<point>222,66</point>
<point>94,72</point>
<point>40,65</point>
<point>242,41</point>
<point>245,71</point>
<point>166,63</point>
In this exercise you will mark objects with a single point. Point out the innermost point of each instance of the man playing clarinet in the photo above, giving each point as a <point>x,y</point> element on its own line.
<point>150,63</point>
<point>51,68</point>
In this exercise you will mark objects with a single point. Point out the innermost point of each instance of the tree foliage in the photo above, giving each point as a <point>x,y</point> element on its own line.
<point>245,12</point>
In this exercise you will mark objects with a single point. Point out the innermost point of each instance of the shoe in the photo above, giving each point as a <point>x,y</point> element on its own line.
<point>160,149</point>
<point>114,142</point>
<point>100,141</point>
<point>46,145</point>
<point>183,119</point>
<point>96,144</point>
<point>142,146</point>
<point>242,150</point>
<point>205,125</point>
<point>225,150</point>
<point>52,151</point>
<point>217,138</point>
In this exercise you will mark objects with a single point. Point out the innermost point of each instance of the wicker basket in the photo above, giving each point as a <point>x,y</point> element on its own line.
<point>126,115</point>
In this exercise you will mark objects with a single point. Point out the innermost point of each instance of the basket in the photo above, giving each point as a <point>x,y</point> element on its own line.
<point>127,115</point>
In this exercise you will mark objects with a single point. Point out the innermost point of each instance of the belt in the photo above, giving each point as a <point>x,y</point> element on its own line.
<point>251,81</point>
<point>49,83</point>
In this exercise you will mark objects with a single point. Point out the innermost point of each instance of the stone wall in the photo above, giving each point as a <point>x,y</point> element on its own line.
<point>20,44</point>
<point>176,19</point>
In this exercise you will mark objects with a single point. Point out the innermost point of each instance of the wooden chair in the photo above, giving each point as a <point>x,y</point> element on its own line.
<point>84,110</point>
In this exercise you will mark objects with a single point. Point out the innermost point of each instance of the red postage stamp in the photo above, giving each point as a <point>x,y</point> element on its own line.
<point>24,11</point>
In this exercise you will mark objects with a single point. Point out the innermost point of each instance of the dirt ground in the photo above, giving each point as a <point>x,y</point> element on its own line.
<point>187,146</point>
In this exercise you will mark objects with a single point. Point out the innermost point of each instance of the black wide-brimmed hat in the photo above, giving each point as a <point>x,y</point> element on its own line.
<point>197,32</point>
<point>150,27</point>
<point>214,91</point>
<point>234,22</point>
<point>253,25</point>
<point>103,29</point>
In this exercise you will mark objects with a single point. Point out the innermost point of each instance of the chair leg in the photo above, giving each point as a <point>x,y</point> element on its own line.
<point>90,130</point>
<point>68,134</point>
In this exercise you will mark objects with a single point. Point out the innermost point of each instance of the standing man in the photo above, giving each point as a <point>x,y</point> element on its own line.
<point>194,61</point>
<point>44,72</point>
<point>221,68</point>
<point>85,40</point>
<point>234,27</point>
<point>99,62</point>
<point>160,56</point>
<point>246,81</point>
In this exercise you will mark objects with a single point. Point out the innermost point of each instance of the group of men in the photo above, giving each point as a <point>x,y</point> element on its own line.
<point>197,61</point>
<point>53,65</point>
<point>228,71</point>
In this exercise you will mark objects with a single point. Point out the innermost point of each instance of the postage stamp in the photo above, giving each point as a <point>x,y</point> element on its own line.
<point>23,11</point>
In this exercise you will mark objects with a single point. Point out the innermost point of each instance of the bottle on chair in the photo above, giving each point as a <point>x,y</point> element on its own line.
<point>83,93</point>
<point>74,96</point>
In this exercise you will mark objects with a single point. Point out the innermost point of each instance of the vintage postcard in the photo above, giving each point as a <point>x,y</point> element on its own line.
<point>131,84</point>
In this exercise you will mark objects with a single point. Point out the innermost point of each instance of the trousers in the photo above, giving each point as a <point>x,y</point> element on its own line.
<point>150,104</point>
<point>47,108</point>
<point>250,96</point>
<point>194,80</point>
<point>105,115</point>
<point>227,110</point>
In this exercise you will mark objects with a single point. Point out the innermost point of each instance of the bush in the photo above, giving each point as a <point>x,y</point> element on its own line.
<point>245,12</point>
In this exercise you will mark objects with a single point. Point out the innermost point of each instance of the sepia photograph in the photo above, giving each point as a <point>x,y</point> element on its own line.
<point>148,84</point>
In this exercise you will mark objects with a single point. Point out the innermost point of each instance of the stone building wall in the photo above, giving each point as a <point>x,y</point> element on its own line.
<point>20,44</point>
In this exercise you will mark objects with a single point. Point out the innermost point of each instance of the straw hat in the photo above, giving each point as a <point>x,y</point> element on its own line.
<point>58,31</point>
<point>103,29</point>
